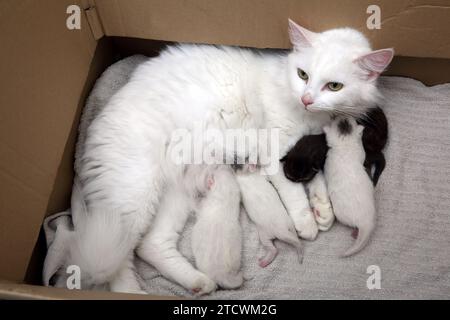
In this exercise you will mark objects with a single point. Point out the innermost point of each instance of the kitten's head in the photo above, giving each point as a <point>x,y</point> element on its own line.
<point>306,158</point>
<point>344,131</point>
<point>335,71</point>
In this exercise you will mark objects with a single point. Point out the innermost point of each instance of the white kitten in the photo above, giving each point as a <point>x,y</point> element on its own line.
<point>216,236</point>
<point>262,205</point>
<point>350,187</point>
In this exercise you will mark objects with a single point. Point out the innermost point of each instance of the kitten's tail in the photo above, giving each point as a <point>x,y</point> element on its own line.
<point>364,232</point>
<point>100,244</point>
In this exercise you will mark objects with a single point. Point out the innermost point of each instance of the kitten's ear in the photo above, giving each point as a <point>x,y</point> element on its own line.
<point>300,37</point>
<point>326,129</point>
<point>375,62</point>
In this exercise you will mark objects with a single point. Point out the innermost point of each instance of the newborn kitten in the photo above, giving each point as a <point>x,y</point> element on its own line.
<point>270,217</point>
<point>350,188</point>
<point>308,155</point>
<point>306,158</point>
<point>216,236</point>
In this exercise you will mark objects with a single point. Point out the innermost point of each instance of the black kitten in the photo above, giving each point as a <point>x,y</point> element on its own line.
<point>306,158</point>
<point>308,155</point>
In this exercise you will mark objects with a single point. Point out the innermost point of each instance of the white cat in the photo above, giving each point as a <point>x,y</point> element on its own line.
<point>216,236</point>
<point>124,169</point>
<point>349,186</point>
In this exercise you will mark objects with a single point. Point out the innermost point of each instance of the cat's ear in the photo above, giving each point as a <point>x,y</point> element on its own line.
<point>326,129</point>
<point>300,37</point>
<point>375,62</point>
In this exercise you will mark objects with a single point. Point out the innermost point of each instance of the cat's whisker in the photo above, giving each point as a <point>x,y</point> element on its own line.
<point>337,111</point>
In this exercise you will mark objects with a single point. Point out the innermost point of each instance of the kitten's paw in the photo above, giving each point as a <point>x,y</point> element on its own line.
<point>203,285</point>
<point>306,225</point>
<point>264,262</point>
<point>268,257</point>
<point>323,212</point>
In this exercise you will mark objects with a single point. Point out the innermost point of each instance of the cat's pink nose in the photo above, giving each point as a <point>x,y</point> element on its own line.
<point>307,100</point>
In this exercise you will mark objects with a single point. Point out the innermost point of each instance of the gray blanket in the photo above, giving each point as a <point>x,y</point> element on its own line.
<point>411,245</point>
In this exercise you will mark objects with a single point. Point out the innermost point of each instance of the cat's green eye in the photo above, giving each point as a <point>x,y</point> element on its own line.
<point>302,74</point>
<point>335,86</point>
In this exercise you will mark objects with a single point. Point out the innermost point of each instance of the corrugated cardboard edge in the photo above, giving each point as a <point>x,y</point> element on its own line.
<point>10,290</point>
<point>94,23</point>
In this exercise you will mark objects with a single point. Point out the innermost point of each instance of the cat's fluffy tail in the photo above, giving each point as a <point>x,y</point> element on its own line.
<point>100,244</point>
<point>364,233</point>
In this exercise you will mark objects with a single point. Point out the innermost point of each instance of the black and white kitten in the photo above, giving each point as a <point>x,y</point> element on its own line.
<point>308,155</point>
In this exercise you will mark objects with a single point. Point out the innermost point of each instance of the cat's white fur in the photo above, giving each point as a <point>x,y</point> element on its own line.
<point>124,169</point>
<point>265,210</point>
<point>349,186</point>
<point>216,235</point>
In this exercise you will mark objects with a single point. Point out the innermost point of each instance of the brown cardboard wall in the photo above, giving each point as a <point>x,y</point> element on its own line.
<point>43,72</point>
<point>417,28</point>
<point>59,198</point>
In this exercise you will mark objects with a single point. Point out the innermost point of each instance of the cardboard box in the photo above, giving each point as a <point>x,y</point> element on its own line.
<point>47,71</point>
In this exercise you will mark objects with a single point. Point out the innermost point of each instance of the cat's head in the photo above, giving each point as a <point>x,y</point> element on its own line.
<point>335,71</point>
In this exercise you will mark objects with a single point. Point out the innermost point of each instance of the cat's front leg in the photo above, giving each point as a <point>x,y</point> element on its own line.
<point>296,202</point>
<point>320,202</point>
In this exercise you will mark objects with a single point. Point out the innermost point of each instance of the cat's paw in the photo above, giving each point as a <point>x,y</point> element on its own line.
<point>323,212</point>
<point>203,285</point>
<point>306,225</point>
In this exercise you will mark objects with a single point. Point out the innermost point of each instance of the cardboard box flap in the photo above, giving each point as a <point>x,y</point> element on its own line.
<point>418,28</point>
